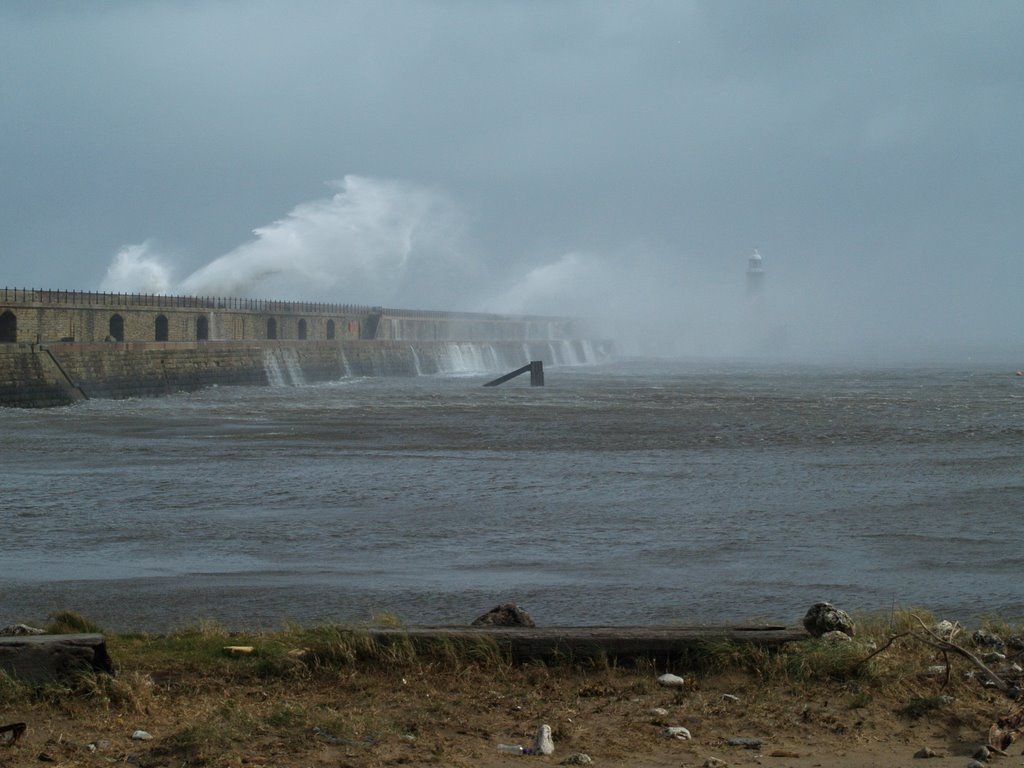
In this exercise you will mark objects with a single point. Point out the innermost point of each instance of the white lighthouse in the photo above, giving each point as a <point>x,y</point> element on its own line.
<point>755,273</point>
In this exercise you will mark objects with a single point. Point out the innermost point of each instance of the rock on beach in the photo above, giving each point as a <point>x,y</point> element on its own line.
<point>823,618</point>
<point>505,615</point>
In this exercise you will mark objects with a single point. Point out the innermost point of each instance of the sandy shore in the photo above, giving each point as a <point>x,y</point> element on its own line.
<point>318,698</point>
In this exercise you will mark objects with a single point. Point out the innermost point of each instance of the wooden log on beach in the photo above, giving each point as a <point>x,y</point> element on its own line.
<point>43,658</point>
<point>611,642</point>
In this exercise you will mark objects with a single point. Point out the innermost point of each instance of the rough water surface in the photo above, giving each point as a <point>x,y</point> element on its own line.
<point>633,493</point>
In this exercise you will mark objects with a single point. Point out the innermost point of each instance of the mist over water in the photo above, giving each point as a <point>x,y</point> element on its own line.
<point>395,243</point>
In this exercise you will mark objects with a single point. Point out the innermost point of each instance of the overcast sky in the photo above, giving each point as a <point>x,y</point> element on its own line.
<point>612,158</point>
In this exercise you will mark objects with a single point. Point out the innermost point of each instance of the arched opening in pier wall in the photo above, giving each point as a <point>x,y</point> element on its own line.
<point>271,328</point>
<point>202,328</point>
<point>8,327</point>
<point>116,328</point>
<point>162,331</point>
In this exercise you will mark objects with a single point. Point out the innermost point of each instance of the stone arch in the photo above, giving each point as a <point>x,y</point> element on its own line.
<point>202,328</point>
<point>330,329</point>
<point>302,329</point>
<point>116,327</point>
<point>162,328</point>
<point>8,327</point>
<point>271,328</point>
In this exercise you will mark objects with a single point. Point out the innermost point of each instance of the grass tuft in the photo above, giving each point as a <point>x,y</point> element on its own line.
<point>130,692</point>
<point>71,623</point>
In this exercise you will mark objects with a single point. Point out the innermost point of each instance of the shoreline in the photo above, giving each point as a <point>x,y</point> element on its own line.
<point>333,695</point>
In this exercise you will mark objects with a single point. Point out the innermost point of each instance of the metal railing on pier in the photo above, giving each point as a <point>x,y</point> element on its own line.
<point>154,300</point>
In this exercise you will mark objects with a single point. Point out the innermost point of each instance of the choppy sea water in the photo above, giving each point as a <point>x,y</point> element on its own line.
<point>637,492</point>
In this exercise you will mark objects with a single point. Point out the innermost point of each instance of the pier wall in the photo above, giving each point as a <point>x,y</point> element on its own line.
<point>80,316</point>
<point>44,375</point>
<point>58,347</point>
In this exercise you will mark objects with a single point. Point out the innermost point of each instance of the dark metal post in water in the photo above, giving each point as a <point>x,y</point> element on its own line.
<point>536,369</point>
<point>536,373</point>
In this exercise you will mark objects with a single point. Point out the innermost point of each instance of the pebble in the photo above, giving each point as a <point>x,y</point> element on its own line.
<point>671,681</point>
<point>543,744</point>
<point>714,762</point>
<point>745,741</point>
<point>578,758</point>
<point>836,637</point>
<point>926,752</point>
<point>142,736</point>
<point>659,712</point>
<point>983,637</point>
<point>730,697</point>
<point>677,732</point>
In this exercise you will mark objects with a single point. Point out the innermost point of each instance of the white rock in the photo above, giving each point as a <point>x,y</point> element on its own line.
<point>543,744</point>
<point>671,681</point>
<point>142,736</point>
<point>730,697</point>
<point>16,630</point>
<point>836,637</point>
<point>677,732</point>
<point>578,758</point>
<point>659,712</point>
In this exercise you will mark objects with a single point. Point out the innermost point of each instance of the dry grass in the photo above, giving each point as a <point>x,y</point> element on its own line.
<point>333,696</point>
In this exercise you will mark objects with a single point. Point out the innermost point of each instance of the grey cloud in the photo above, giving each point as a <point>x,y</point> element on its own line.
<point>869,149</point>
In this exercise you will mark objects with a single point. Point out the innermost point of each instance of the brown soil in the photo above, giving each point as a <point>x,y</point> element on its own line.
<point>440,713</point>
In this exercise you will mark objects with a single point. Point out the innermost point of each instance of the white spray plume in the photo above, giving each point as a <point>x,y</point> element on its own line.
<point>372,242</point>
<point>136,269</point>
<point>570,283</point>
<point>652,304</point>
<point>397,244</point>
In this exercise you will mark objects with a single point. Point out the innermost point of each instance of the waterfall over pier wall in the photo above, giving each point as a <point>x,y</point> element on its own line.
<point>58,347</point>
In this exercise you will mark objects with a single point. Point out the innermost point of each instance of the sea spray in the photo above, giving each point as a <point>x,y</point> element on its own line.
<point>372,238</point>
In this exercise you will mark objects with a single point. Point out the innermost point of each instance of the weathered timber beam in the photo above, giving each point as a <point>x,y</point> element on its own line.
<point>527,643</point>
<point>42,658</point>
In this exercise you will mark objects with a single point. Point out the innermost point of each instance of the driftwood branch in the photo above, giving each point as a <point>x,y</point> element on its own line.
<point>878,650</point>
<point>947,646</point>
<point>1007,729</point>
<point>932,639</point>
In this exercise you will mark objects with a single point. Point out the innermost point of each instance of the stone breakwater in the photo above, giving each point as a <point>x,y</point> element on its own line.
<point>58,347</point>
<point>44,375</point>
